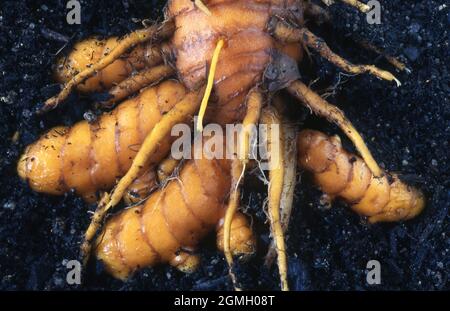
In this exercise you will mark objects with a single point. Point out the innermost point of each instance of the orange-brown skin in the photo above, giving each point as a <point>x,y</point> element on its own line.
<point>172,222</point>
<point>242,240</point>
<point>141,188</point>
<point>90,157</point>
<point>89,51</point>
<point>175,218</point>
<point>247,51</point>
<point>344,175</point>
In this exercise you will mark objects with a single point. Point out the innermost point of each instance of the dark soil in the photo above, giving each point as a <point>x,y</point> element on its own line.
<point>407,129</point>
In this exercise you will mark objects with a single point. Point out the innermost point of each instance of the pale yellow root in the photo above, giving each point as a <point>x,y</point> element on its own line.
<point>137,82</point>
<point>319,16</point>
<point>96,223</point>
<point>182,111</point>
<point>210,84</point>
<point>157,32</point>
<point>276,180</point>
<point>324,109</point>
<point>202,7</point>
<point>364,8</point>
<point>290,34</point>
<point>254,105</point>
<point>391,59</point>
<point>237,173</point>
<point>289,135</point>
